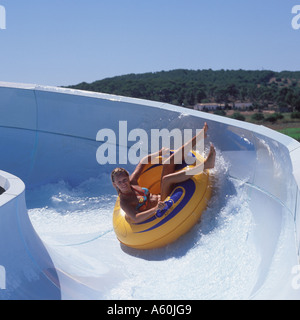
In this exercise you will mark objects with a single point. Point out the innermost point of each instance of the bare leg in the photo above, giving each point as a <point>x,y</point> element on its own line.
<point>209,162</point>
<point>180,154</point>
<point>170,177</point>
<point>168,181</point>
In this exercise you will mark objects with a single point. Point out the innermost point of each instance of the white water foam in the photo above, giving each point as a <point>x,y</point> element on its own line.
<point>63,215</point>
<point>215,260</point>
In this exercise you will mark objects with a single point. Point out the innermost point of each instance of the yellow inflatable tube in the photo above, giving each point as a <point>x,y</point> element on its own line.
<point>183,209</point>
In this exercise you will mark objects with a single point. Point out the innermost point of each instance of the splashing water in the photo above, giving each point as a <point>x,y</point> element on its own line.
<point>215,260</point>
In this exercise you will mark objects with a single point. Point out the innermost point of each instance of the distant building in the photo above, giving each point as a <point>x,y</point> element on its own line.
<point>218,106</point>
<point>208,106</point>
<point>243,105</point>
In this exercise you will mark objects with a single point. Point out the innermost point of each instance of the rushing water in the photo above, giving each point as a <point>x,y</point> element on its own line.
<point>215,260</point>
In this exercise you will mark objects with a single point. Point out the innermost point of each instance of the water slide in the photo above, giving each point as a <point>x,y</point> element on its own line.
<point>56,235</point>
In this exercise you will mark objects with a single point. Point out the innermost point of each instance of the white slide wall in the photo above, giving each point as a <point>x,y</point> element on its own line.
<point>49,134</point>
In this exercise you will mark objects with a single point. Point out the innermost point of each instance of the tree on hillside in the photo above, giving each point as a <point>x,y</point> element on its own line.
<point>296,103</point>
<point>194,86</point>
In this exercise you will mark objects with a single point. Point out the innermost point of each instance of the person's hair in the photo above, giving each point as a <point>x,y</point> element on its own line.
<point>118,171</point>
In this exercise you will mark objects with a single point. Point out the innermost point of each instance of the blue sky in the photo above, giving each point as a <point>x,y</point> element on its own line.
<point>65,42</point>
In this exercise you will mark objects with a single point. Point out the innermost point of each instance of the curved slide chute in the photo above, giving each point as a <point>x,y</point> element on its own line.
<point>49,134</point>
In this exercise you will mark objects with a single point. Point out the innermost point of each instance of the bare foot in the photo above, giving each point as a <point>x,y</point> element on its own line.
<point>209,162</point>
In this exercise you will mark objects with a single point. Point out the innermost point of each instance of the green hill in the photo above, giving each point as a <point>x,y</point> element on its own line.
<point>188,87</point>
